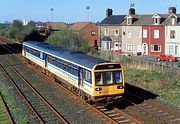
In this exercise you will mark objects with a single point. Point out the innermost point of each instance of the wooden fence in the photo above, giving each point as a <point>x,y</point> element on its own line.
<point>134,63</point>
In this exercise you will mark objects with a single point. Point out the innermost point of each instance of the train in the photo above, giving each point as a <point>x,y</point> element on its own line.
<point>90,77</point>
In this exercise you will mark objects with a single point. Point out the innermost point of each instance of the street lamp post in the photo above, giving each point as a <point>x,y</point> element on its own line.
<point>52,9</point>
<point>88,7</point>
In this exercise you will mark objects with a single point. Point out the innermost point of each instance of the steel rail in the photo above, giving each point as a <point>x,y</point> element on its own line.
<point>5,111</point>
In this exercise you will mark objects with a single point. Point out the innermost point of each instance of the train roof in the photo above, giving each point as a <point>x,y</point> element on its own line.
<point>73,56</point>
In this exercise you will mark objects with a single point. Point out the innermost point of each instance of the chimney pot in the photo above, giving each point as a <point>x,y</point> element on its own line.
<point>109,12</point>
<point>172,10</point>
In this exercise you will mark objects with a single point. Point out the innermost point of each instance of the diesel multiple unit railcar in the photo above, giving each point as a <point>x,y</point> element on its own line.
<point>92,77</point>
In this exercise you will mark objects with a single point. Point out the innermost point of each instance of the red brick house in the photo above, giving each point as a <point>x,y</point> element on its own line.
<point>57,25</point>
<point>153,39</point>
<point>87,31</point>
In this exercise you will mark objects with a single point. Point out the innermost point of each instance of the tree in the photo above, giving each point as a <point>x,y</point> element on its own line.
<point>69,40</point>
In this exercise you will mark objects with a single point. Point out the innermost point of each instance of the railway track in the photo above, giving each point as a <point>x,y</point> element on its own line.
<point>115,115</point>
<point>154,109</point>
<point>44,111</point>
<point>5,115</point>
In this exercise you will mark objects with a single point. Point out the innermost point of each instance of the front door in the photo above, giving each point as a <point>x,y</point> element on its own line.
<point>145,49</point>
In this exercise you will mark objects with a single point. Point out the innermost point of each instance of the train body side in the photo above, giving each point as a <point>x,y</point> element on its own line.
<point>97,80</point>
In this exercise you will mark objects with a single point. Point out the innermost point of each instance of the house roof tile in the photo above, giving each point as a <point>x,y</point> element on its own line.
<point>79,26</point>
<point>57,25</point>
<point>113,19</point>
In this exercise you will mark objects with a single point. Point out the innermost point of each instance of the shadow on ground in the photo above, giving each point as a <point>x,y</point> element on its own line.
<point>136,95</point>
<point>14,47</point>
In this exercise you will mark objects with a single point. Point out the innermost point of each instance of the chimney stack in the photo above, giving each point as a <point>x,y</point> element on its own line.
<point>172,10</point>
<point>132,11</point>
<point>109,12</point>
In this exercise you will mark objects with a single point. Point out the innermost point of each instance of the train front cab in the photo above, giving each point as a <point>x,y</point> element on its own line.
<point>108,81</point>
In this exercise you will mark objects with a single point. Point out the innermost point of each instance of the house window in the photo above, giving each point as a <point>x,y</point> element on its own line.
<point>117,45</point>
<point>144,33</point>
<point>156,21</point>
<point>106,32</point>
<point>116,32</point>
<point>106,45</point>
<point>129,34</point>
<point>156,48</point>
<point>129,47</point>
<point>93,33</point>
<point>139,48</point>
<point>129,21</point>
<point>139,34</point>
<point>173,21</point>
<point>156,33</point>
<point>172,34</point>
<point>171,50</point>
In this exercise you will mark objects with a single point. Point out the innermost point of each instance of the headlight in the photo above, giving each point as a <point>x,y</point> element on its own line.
<point>98,89</point>
<point>119,87</point>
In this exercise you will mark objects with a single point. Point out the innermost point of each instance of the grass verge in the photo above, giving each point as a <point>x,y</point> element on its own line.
<point>164,85</point>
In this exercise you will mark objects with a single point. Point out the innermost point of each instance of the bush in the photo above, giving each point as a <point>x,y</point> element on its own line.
<point>16,30</point>
<point>69,40</point>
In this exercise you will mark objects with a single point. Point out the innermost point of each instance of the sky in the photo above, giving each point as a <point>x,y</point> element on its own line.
<point>76,10</point>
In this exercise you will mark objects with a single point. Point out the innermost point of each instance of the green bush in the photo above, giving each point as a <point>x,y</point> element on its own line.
<point>16,30</point>
<point>69,40</point>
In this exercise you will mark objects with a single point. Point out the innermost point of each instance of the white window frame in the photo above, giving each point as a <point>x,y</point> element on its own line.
<point>156,34</point>
<point>93,33</point>
<point>129,20</point>
<point>144,33</point>
<point>105,45</point>
<point>171,50</point>
<point>129,47</point>
<point>156,19</point>
<point>173,21</point>
<point>173,35</point>
<point>152,48</point>
<point>106,32</point>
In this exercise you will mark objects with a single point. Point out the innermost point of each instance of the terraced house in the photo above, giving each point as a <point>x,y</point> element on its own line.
<point>151,34</point>
<point>110,31</point>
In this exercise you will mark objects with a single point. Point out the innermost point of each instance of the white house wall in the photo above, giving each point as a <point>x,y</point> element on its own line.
<point>135,40</point>
<point>172,46</point>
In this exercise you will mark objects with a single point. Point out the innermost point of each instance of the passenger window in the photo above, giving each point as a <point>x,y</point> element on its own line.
<point>87,75</point>
<point>109,77</point>
<point>117,77</point>
<point>98,77</point>
<point>41,55</point>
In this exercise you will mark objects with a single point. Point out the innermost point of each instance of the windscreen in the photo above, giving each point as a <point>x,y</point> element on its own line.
<point>108,78</point>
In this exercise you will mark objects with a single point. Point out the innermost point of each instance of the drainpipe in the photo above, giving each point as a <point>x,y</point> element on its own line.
<point>149,46</point>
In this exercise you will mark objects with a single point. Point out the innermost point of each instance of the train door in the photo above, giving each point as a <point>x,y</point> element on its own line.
<point>46,59</point>
<point>24,50</point>
<point>80,83</point>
